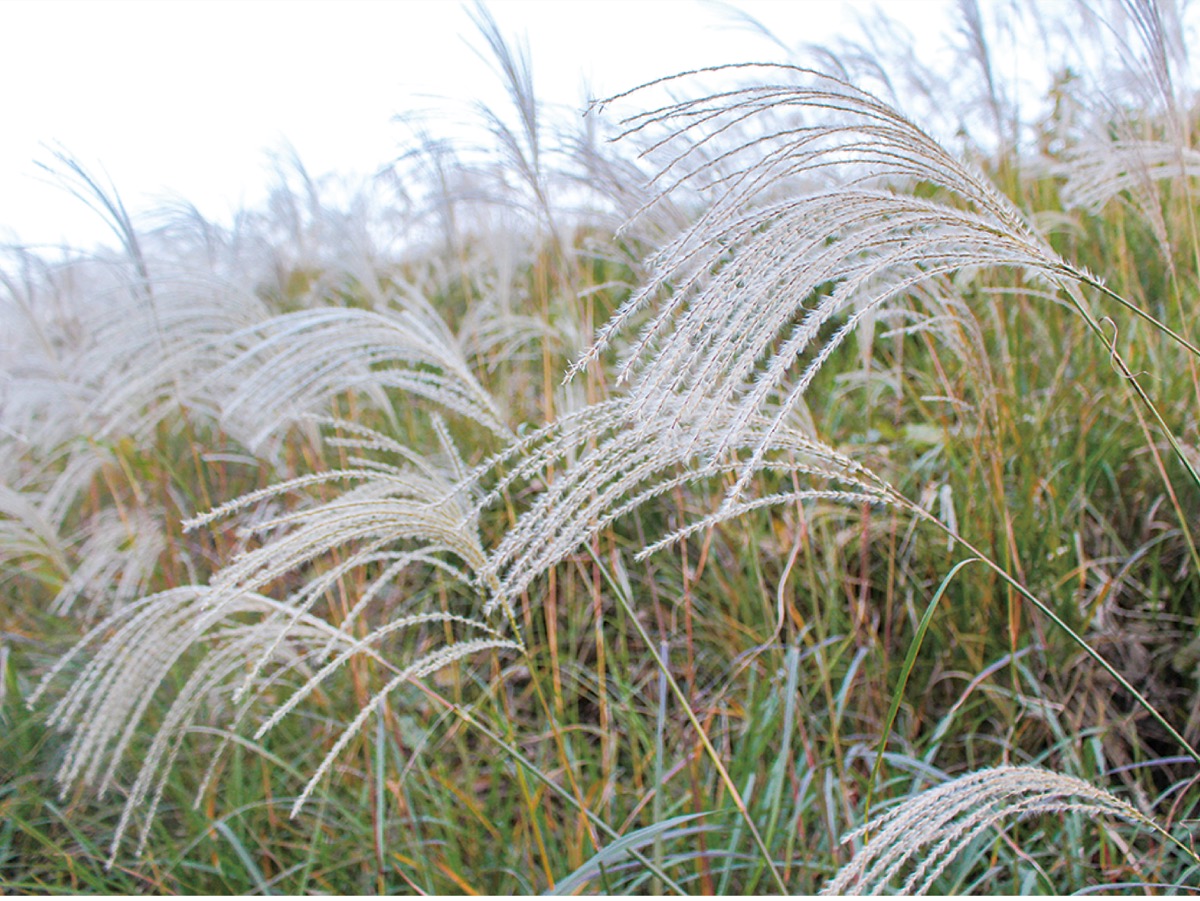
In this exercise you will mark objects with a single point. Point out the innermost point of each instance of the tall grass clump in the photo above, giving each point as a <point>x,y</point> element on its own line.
<point>796,493</point>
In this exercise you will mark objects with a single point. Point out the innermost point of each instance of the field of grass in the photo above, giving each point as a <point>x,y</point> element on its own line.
<point>791,494</point>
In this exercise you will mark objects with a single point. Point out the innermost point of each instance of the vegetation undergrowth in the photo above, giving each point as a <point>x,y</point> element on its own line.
<point>795,494</point>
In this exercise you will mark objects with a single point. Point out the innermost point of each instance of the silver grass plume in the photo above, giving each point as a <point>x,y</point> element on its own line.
<point>919,838</point>
<point>1140,134</point>
<point>147,358</point>
<point>106,560</point>
<point>132,653</point>
<point>291,365</point>
<point>608,463</point>
<point>118,554</point>
<point>397,516</point>
<point>1100,170</point>
<point>814,219</point>
<point>1094,178</point>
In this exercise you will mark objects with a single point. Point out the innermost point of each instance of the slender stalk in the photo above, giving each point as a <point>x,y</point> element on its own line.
<point>526,766</point>
<point>703,736</point>
<point>1056,619</point>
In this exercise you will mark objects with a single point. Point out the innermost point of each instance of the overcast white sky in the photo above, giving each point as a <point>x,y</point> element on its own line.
<point>185,98</point>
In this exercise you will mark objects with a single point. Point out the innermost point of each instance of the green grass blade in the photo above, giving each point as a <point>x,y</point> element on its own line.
<point>615,852</point>
<point>910,660</point>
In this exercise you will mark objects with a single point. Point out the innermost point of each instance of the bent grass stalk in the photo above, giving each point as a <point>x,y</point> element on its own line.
<point>526,765</point>
<point>627,604</point>
<point>1056,619</point>
<point>910,660</point>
